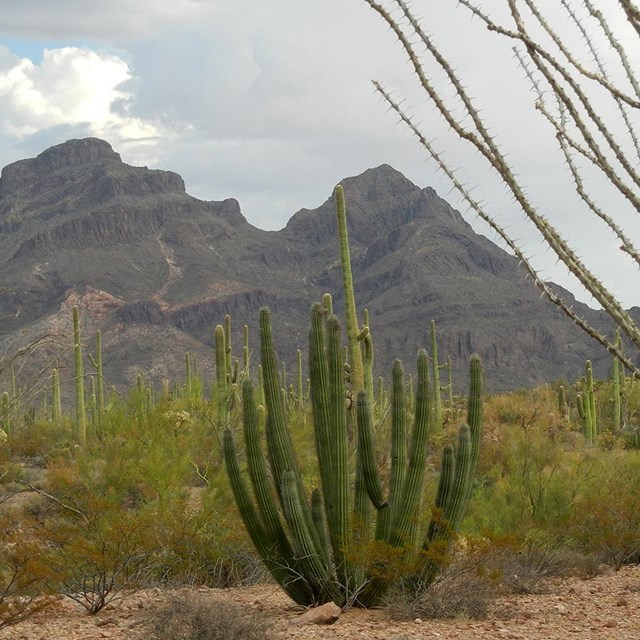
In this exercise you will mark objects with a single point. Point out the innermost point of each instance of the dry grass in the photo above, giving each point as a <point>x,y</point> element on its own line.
<point>198,617</point>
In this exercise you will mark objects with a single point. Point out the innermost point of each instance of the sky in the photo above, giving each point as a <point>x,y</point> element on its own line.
<point>272,103</point>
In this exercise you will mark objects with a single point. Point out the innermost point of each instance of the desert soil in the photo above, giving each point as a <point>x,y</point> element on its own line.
<point>605,607</point>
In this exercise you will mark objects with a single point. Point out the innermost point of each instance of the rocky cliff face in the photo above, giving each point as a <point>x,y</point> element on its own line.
<point>156,269</point>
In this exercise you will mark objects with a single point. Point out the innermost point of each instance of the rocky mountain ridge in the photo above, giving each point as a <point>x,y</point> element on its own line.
<point>156,269</point>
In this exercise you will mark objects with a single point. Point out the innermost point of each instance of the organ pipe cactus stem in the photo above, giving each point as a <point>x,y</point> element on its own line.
<point>591,397</point>
<point>5,413</point>
<point>562,401</point>
<point>141,399</point>
<point>166,394</point>
<point>367,355</point>
<point>327,303</point>
<point>221,386</point>
<point>99,378</point>
<point>352,326</point>
<point>584,411</point>
<point>56,395</point>
<point>437,397</point>
<point>398,441</point>
<point>189,379</point>
<point>245,350</point>
<point>81,414</point>
<point>617,386</point>
<point>14,383</point>
<point>227,344</point>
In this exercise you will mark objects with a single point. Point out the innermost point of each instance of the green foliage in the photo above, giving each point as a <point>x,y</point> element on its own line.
<point>606,517</point>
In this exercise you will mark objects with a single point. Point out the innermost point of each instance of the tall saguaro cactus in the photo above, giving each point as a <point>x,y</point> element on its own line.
<point>307,540</point>
<point>81,413</point>
<point>99,381</point>
<point>437,396</point>
<point>617,377</point>
<point>586,405</point>
<point>351,314</point>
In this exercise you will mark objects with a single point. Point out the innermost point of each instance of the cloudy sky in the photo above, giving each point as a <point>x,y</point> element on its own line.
<point>272,103</point>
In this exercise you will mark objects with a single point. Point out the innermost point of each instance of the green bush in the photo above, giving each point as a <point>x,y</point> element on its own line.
<point>606,517</point>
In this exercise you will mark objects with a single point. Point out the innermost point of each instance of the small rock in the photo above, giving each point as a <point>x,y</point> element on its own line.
<point>105,622</point>
<point>610,623</point>
<point>325,614</point>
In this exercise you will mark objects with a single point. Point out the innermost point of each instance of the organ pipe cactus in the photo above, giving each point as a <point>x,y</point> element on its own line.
<point>310,541</point>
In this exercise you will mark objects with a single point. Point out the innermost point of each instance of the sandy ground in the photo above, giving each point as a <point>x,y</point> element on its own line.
<point>605,607</point>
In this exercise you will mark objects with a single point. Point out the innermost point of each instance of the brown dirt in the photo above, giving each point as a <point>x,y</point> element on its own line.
<point>603,608</point>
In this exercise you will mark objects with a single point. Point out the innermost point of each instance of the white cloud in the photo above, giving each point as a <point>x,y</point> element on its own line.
<point>70,86</point>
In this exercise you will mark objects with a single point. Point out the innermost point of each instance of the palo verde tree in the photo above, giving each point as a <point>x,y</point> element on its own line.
<point>577,60</point>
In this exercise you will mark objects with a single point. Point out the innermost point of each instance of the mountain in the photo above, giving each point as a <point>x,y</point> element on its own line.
<point>156,269</point>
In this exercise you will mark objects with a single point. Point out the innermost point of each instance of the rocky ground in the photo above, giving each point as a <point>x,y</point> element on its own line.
<point>605,607</point>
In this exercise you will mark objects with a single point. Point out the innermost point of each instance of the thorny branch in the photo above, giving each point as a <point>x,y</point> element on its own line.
<point>562,84</point>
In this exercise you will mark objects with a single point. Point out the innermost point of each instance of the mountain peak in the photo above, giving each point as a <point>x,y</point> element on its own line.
<point>77,151</point>
<point>72,153</point>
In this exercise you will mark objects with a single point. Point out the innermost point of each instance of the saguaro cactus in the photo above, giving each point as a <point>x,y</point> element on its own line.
<point>81,413</point>
<point>617,386</point>
<point>99,382</point>
<point>586,405</point>
<point>56,395</point>
<point>437,395</point>
<point>352,327</point>
<point>307,541</point>
<point>221,388</point>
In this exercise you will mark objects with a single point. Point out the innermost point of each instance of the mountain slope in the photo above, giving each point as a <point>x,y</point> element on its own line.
<point>156,269</point>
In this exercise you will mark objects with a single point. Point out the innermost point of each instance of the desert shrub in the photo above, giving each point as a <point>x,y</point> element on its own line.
<point>197,617</point>
<point>204,545</point>
<point>99,555</point>
<point>36,442</point>
<point>531,481</point>
<point>24,571</point>
<point>606,518</point>
<point>521,562</point>
<point>464,589</point>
